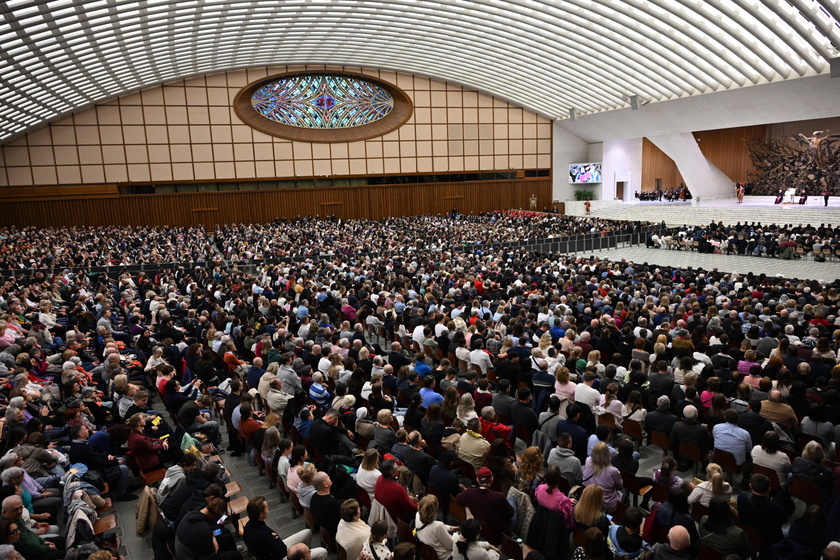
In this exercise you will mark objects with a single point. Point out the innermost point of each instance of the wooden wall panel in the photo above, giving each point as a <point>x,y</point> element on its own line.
<point>211,208</point>
<point>186,131</point>
<point>656,165</point>
<point>72,191</point>
<point>725,148</point>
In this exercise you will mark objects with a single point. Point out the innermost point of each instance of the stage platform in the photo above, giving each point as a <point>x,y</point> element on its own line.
<point>703,212</point>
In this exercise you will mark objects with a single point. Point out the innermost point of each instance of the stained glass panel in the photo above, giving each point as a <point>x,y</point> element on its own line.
<point>322,101</point>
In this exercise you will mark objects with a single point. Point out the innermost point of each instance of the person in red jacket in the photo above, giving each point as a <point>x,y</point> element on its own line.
<point>491,429</point>
<point>248,425</point>
<point>149,453</point>
<point>392,495</point>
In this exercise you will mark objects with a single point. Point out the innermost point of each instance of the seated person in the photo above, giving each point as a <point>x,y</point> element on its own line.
<point>29,545</point>
<point>326,509</point>
<point>332,438</point>
<point>488,505</point>
<point>392,495</point>
<point>149,453</point>
<point>196,535</point>
<point>352,531</point>
<point>625,540</point>
<point>265,544</point>
<point>109,467</point>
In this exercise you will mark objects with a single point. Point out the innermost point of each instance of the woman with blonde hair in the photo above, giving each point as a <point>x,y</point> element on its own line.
<point>336,365</point>
<point>563,387</point>
<point>507,344</point>
<point>715,485</point>
<point>589,510</point>
<point>594,360</point>
<point>660,352</point>
<point>466,408</point>
<point>545,341</point>
<point>306,473</point>
<point>599,471</point>
<point>430,531</point>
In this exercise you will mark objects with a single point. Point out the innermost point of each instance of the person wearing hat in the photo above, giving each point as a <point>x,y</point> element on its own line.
<point>488,505</point>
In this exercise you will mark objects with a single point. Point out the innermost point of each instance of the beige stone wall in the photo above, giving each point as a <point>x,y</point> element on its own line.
<point>187,131</point>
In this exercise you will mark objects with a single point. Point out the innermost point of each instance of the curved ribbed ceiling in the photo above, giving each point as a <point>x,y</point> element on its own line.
<point>59,56</point>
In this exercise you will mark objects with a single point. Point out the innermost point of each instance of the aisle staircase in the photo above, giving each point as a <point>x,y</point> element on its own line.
<point>686,214</point>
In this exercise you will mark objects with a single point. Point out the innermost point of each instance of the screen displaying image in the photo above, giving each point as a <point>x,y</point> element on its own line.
<point>585,173</point>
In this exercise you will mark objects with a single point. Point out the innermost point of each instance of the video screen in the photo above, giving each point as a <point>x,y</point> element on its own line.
<point>585,173</point>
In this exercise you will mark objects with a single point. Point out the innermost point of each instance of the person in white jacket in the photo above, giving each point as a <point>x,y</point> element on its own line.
<point>432,532</point>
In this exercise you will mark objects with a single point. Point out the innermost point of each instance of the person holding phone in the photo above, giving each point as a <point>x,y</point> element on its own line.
<point>264,544</point>
<point>200,535</point>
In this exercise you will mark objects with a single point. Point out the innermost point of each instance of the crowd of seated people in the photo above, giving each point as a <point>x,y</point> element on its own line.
<point>422,375</point>
<point>80,247</point>
<point>770,240</point>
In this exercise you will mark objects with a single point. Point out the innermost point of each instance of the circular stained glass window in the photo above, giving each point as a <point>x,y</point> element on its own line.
<point>320,107</point>
<point>322,101</point>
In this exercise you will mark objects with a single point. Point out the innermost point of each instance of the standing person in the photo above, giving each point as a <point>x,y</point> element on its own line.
<point>826,193</point>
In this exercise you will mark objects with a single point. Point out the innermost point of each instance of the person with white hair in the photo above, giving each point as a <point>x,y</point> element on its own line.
<point>318,391</point>
<point>8,552</point>
<point>29,544</point>
<point>690,431</point>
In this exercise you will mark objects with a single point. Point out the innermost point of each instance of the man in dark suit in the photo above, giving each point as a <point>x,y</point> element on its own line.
<point>661,419</point>
<point>508,368</point>
<point>690,430</point>
<point>577,432</point>
<point>396,359</point>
